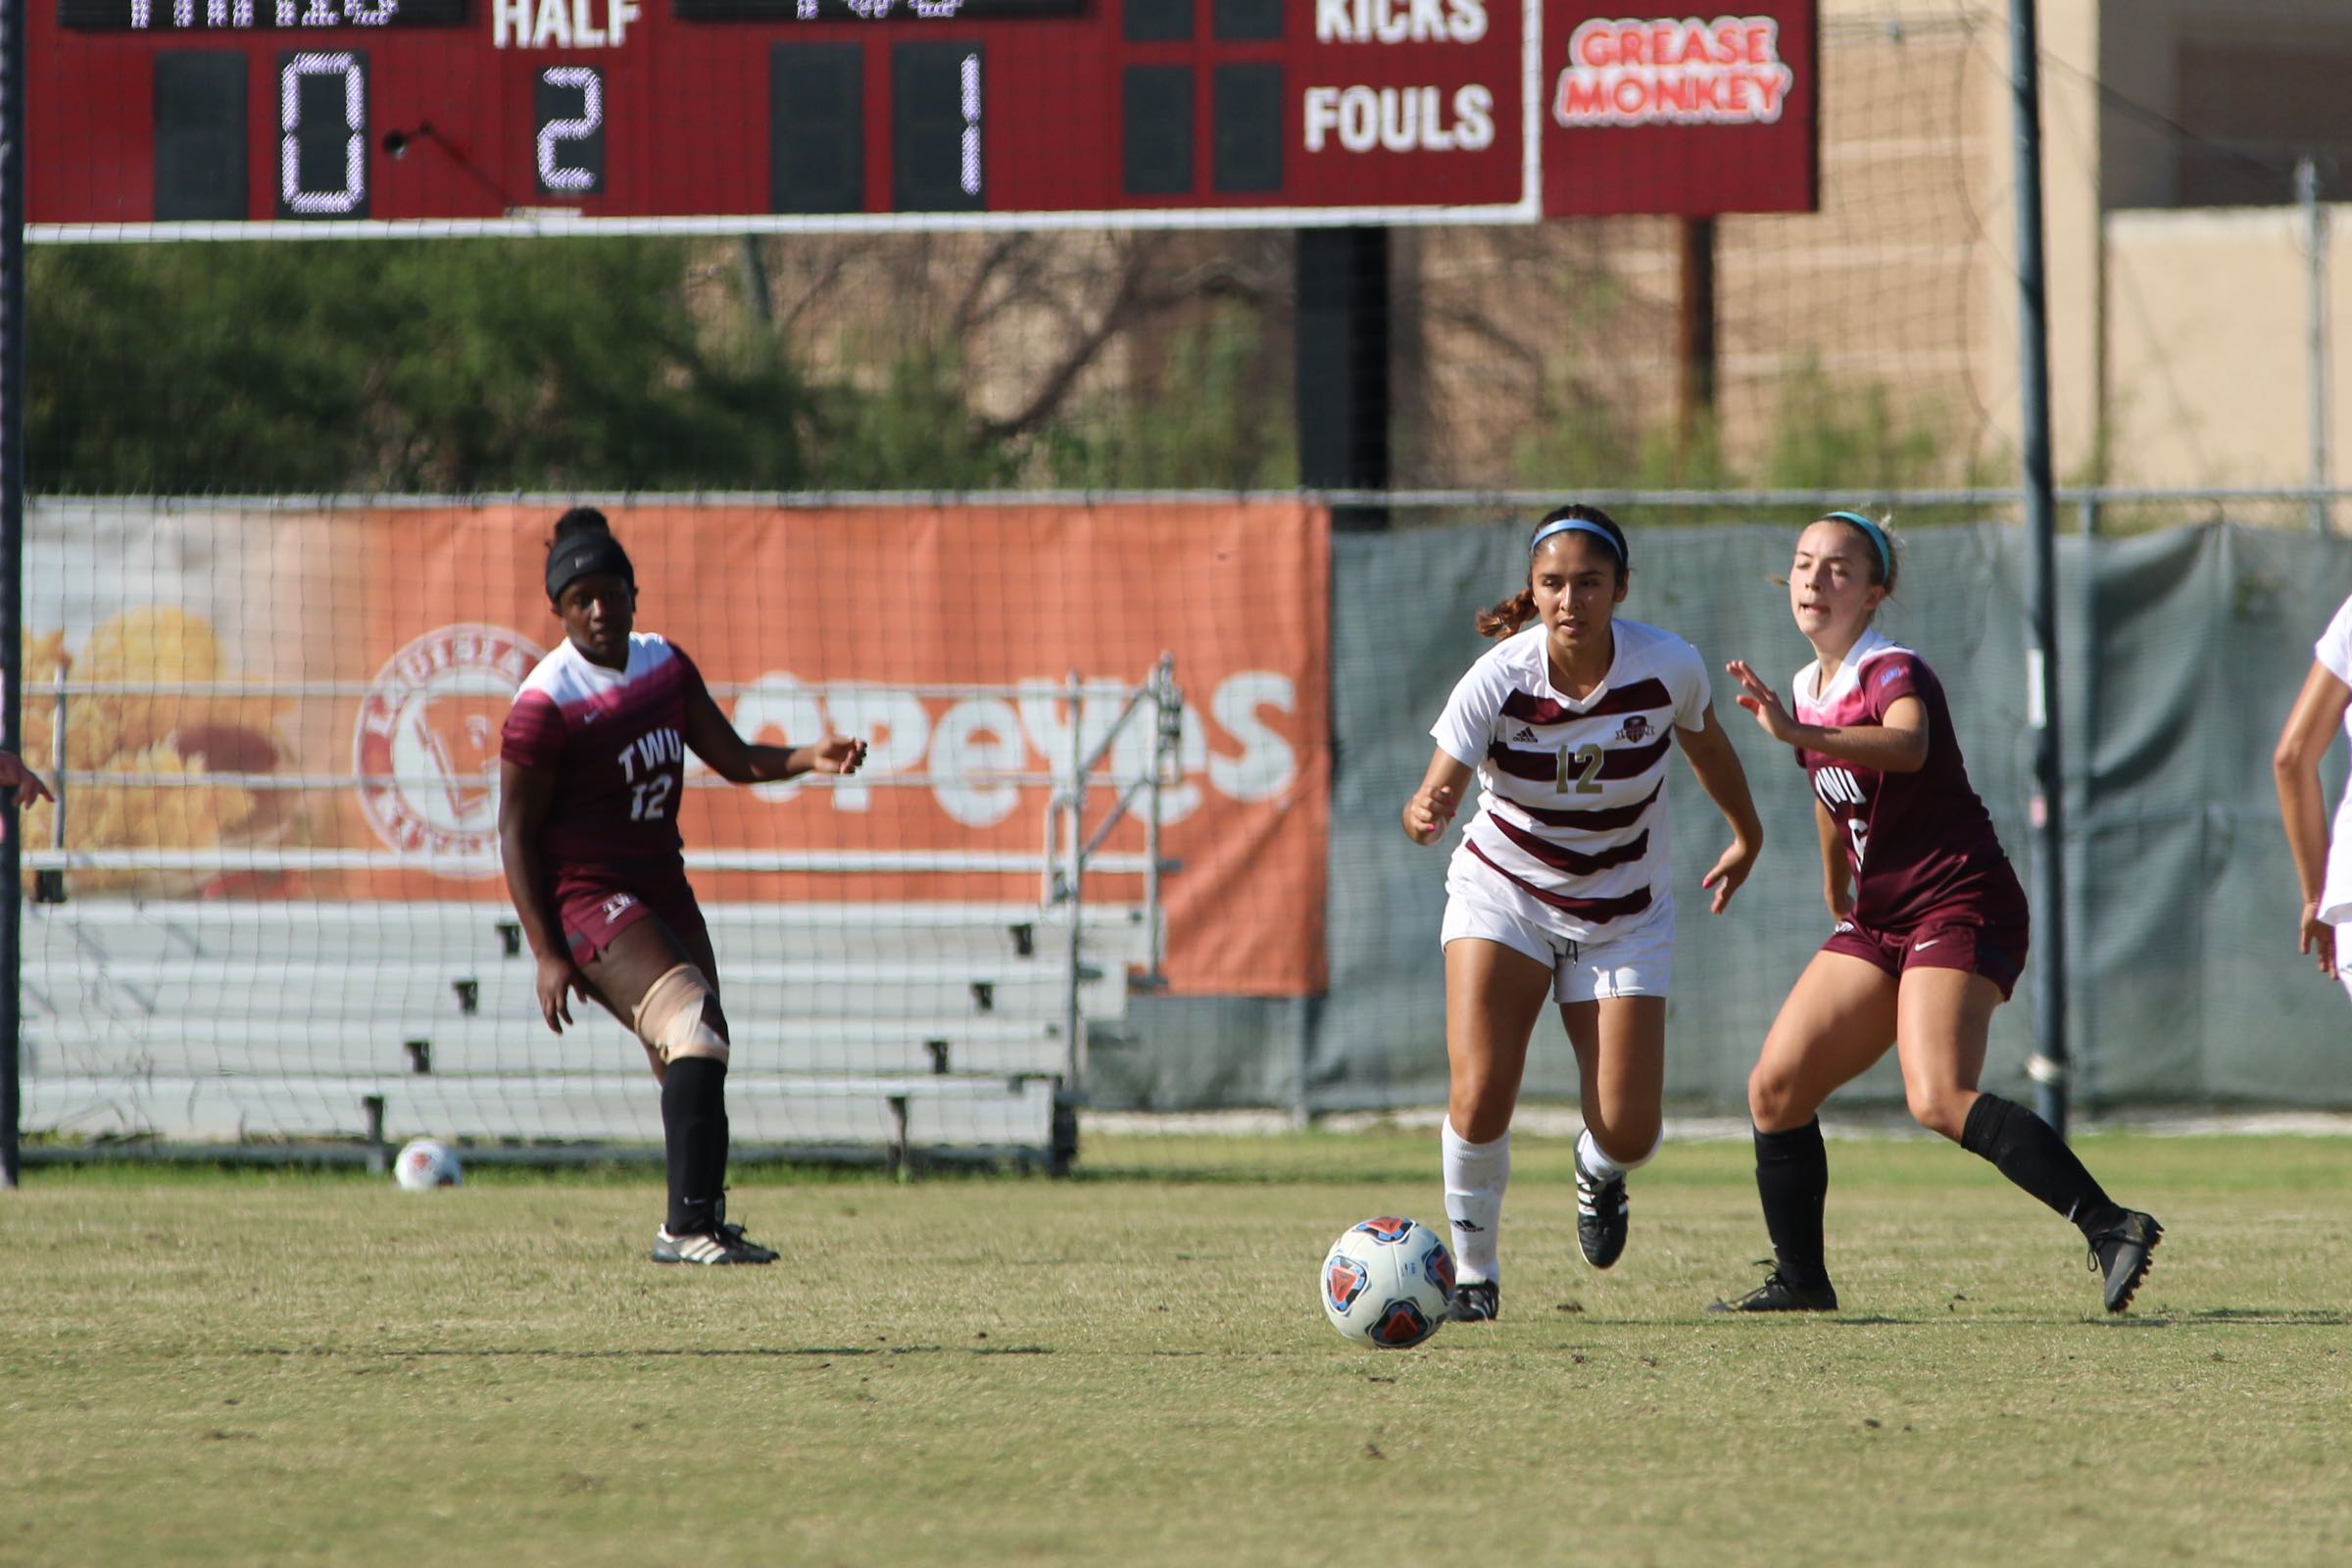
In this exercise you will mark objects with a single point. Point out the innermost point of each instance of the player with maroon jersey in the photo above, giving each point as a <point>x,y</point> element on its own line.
<point>1561,885</point>
<point>1930,938</point>
<point>591,765</point>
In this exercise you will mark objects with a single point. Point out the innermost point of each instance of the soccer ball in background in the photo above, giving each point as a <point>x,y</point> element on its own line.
<point>423,1164</point>
<point>1387,1282</point>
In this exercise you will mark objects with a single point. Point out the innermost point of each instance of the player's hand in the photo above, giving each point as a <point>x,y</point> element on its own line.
<point>2319,940</point>
<point>1761,701</point>
<point>26,783</point>
<point>1838,895</point>
<point>1428,813</point>
<point>559,978</point>
<point>1731,869</point>
<point>837,753</point>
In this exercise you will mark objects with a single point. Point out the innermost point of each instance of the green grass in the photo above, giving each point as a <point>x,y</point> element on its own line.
<point>248,1368</point>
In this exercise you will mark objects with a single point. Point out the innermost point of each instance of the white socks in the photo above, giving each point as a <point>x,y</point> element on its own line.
<point>1475,1176</point>
<point>1599,1166</point>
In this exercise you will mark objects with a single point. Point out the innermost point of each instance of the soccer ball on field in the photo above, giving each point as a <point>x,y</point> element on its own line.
<point>425,1164</point>
<point>1387,1282</point>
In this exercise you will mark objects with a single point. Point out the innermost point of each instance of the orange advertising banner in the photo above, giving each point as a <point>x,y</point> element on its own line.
<point>307,703</point>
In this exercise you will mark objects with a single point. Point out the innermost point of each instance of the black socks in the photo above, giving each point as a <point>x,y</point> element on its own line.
<point>1793,1178</point>
<point>694,1125</point>
<point>2025,1149</point>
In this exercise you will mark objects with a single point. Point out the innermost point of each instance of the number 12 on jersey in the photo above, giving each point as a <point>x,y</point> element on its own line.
<point>1578,771</point>
<point>647,800</point>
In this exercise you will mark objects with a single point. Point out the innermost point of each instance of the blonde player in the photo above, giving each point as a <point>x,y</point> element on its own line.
<point>1930,935</point>
<point>1561,886</point>
<point>2323,861</point>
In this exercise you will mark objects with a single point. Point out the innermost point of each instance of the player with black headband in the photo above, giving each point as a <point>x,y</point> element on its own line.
<point>1561,885</point>
<point>1929,936</point>
<point>593,761</point>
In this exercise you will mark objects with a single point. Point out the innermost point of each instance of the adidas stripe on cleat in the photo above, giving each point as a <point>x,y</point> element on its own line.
<point>1600,1218</point>
<point>726,1245</point>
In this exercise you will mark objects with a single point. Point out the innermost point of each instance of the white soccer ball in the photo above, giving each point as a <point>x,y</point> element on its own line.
<point>423,1164</point>
<point>1387,1282</point>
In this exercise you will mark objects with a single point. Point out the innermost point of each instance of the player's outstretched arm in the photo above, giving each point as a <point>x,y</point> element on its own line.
<point>710,737</point>
<point>1439,795</point>
<point>2311,726</point>
<point>1895,744</point>
<point>1709,751</point>
<point>524,797</point>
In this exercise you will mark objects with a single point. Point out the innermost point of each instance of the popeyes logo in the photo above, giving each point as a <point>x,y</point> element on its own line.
<point>425,748</point>
<point>1667,71</point>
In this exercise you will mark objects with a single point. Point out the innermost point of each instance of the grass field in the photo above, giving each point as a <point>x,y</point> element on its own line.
<point>242,1368</point>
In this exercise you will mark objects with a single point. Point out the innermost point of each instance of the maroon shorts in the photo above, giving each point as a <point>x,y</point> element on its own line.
<point>595,905</point>
<point>1970,937</point>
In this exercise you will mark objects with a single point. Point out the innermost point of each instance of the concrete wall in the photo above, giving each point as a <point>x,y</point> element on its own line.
<point>2207,345</point>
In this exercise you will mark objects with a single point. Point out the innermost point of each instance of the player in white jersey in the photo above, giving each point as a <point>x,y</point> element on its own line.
<point>1561,884</point>
<point>2323,860</point>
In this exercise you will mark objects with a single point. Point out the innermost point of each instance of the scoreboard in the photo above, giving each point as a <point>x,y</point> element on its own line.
<point>170,119</point>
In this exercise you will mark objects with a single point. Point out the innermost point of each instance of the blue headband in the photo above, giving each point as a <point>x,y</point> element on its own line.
<point>1877,536</point>
<point>1577,526</point>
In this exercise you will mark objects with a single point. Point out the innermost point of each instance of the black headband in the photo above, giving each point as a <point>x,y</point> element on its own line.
<point>585,556</point>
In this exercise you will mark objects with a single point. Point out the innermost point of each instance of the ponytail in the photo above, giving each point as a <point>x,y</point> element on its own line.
<point>1506,616</point>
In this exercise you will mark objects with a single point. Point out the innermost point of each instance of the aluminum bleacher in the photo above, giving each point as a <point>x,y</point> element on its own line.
<point>911,1028</point>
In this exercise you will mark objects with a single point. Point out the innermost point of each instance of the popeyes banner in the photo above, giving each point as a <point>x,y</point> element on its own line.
<point>307,703</point>
<point>1680,112</point>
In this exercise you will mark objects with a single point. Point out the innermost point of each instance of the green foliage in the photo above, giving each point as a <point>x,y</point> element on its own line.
<point>1218,418</point>
<point>428,366</point>
<point>916,432</point>
<point>1824,435</point>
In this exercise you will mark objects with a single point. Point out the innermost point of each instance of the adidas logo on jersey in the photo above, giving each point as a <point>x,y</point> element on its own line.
<point>1525,734</point>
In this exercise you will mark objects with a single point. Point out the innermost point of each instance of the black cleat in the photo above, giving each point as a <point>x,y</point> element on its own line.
<point>2119,1256</point>
<point>726,1245</point>
<point>1778,1294</point>
<point>1475,1301</point>
<point>1600,1218</point>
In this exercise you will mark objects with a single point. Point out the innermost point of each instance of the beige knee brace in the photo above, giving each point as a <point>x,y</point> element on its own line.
<point>669,1016</point>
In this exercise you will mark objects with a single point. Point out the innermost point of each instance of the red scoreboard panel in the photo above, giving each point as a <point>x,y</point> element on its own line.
<point>167,118</point>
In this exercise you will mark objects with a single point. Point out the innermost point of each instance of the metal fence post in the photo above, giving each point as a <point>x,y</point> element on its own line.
<point>2315,330</point>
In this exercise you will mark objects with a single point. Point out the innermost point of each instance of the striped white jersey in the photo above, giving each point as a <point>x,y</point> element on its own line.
<point>1572,793</point>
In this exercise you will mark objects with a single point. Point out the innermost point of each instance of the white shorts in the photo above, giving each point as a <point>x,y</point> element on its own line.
<point>1638,961</point>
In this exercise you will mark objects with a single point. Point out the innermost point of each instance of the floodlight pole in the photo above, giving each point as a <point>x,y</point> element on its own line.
<point>12,557</point>
<point>2047,822</point>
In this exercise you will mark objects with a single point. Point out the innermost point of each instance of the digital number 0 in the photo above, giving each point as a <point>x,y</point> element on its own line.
<point>353,193</point>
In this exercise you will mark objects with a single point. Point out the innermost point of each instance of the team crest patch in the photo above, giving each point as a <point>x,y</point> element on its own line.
<point>424,751</point>
<point>1344,1279</point>
<point>1637,728</point>
<point>1388,1230</point>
